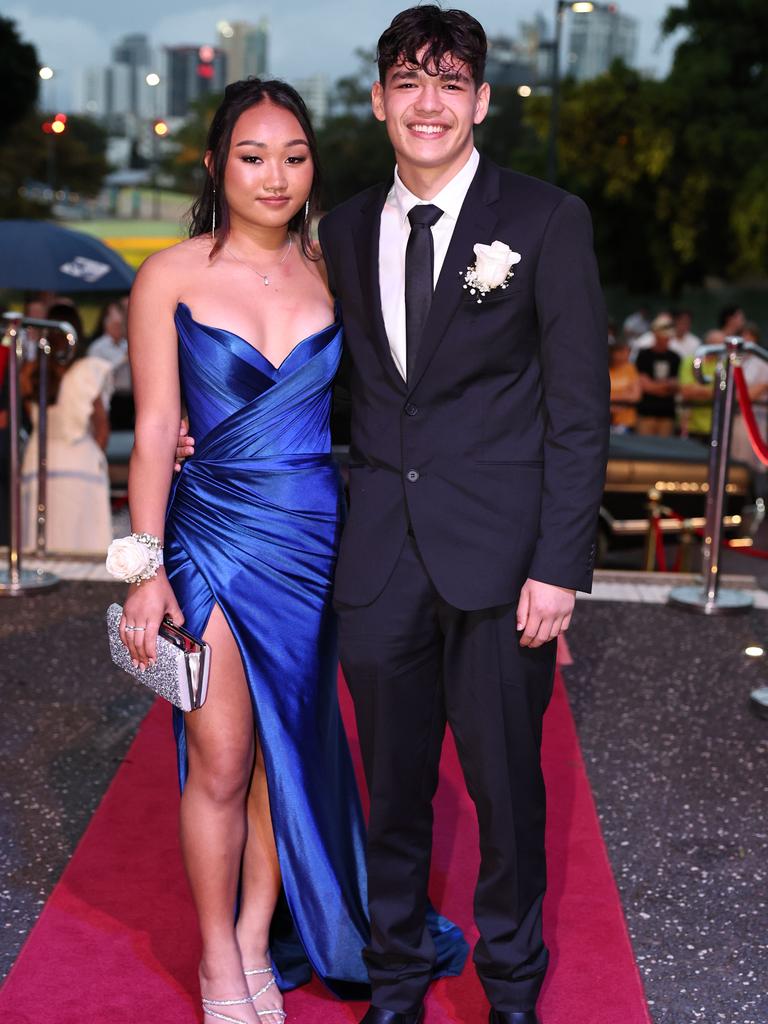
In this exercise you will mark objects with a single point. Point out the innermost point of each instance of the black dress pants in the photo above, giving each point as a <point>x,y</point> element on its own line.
<point>413,663</point>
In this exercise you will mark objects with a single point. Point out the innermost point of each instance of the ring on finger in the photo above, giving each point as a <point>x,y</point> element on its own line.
<point>134,629</point>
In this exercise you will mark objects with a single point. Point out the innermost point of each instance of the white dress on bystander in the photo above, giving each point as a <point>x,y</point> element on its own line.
<point>79,514</point>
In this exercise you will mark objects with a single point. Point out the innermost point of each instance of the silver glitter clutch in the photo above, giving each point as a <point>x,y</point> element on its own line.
<point>180,673</point>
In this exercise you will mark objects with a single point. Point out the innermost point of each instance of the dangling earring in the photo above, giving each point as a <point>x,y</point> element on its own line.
<point>213,219</point>
<point>306,210</point>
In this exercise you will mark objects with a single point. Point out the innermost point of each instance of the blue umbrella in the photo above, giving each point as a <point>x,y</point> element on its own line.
<point>36,255</point>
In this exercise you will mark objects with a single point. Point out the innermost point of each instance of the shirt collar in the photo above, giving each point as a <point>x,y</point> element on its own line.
<point>449,199</point>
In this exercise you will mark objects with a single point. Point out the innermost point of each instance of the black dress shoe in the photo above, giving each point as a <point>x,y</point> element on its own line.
<point>513,1017</point>
<point>376,1015</point>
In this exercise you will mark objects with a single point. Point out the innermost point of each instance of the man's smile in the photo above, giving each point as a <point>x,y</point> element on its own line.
<point>426,128</point>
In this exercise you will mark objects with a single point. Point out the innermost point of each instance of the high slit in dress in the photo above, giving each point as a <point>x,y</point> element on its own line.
<point>253,526</point>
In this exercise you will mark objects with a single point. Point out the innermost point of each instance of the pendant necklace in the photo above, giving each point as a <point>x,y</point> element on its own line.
<point>264,277</point>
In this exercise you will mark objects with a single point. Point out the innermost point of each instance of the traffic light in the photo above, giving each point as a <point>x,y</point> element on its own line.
<point>206,55</point>
<point>160,128</point>
<point>56,126</point>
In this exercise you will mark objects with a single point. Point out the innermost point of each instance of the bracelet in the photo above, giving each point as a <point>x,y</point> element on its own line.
<point>135,559</point>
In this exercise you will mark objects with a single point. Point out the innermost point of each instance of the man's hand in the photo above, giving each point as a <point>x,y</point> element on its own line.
<point>185,446</point>
<point>543,612</point>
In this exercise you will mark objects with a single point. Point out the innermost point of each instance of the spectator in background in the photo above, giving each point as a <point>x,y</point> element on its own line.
<point>731,320</point>
<point>684,342</point>
<point>79,514</point>
<point>696,409</point>
<point>110,343</point>
<point>658,368</point>
<point>647,339</point>
<point>756,377</point>
<point>635,325</point>
<point>626,389</point>
<point>61,356</point>
<point>36,309</point>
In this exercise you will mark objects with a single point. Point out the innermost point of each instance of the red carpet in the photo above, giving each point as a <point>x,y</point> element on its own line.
<point>117,941</point>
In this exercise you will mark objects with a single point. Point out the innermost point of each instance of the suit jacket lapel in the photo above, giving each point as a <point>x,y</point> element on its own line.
<point>476,223</point>
<point>367,248</point>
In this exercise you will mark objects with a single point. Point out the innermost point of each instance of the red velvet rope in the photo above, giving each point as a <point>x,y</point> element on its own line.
<point>749,552</point>
<point>759,447</point>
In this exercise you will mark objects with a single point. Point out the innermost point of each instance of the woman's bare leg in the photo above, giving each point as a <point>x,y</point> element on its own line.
<point>220,743</point>
<point>261,881</point>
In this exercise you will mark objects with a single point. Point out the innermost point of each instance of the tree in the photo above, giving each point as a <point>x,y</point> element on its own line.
<point>674,171</point>
<point>76,159</point>
<point>614,148</point>
<point>507,137</point>
<point>19,79</point>
<point>354,149</point>
<point>718,87</point>
<point>184,160</point>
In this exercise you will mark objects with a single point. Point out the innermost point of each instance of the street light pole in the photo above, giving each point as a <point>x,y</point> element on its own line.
<point>554,108</point>
<point>153,81</point>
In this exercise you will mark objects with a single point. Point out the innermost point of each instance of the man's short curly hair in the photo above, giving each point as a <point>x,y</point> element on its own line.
<point>446,38</point>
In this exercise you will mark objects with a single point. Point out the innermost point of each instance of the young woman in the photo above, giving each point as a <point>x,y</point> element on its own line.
<point>238,322</point>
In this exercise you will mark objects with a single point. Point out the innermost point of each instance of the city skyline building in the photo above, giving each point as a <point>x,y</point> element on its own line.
<point>132,55</point>
<point>316,93</point>
<point>508,63</point>
<point>192,72</point>
<point>118,93</point>
<point>246,47</point>
<point>596,39</point>
<point>524,59</point>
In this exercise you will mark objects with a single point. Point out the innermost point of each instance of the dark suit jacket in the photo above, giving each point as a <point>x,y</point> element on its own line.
<point>495,452</point>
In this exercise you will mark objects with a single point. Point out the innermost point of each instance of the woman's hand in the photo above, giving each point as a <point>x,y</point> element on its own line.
<point>145,608</point>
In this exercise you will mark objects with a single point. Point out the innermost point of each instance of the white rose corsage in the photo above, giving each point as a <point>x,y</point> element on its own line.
<point>135,559</point>
<point>492,268</point>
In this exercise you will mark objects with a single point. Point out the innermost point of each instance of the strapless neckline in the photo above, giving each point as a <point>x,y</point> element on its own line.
<point>259,354</point>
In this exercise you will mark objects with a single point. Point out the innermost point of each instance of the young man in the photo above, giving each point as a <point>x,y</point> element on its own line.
<point>479,433</point>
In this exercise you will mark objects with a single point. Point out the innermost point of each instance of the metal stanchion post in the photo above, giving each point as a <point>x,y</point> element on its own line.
<point>15,581</point>
<point>654,515</point>
<point>709,598</point>
<point>44,350</point>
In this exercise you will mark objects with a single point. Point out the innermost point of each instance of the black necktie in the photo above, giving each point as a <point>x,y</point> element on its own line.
<point>419,279</point>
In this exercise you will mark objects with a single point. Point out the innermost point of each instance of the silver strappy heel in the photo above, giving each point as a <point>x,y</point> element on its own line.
<point>208,1003</point>
<point>265,970</point>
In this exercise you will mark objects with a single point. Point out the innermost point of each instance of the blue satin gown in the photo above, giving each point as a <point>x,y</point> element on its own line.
<point>253,526</point>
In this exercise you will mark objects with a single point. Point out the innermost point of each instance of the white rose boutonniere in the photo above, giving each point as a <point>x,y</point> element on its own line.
<point>492,268</point>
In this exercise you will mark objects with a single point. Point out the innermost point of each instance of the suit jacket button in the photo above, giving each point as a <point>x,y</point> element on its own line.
<point>412,475</point>
<point>411,410</point>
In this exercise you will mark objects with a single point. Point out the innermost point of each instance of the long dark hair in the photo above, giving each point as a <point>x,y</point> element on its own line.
<point>63,355</point>
<point>442,34</point>
<point>239,97</point>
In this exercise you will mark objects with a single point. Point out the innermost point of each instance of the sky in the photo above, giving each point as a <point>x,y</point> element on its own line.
<point>306,36</point>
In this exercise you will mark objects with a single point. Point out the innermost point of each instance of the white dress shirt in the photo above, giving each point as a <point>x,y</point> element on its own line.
<point>393,239</point>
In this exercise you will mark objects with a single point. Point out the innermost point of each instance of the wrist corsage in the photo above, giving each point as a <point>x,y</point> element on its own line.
<point>135,559</point>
